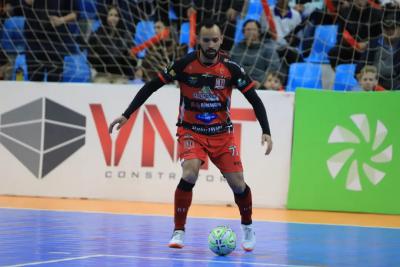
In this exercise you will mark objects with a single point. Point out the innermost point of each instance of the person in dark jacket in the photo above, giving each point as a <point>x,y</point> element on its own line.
<point>385,57</point>
<point>109,50</point>
<point>47,36</point>
<point>362,22</point>
<point>255,56</point>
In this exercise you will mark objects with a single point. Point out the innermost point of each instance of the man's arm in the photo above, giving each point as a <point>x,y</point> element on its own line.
<point>144,93</point>
<point>261,115</point>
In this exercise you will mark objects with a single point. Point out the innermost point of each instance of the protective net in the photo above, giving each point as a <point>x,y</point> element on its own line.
<point>282,44</point>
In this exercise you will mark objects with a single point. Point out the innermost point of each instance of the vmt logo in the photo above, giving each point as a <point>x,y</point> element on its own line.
<point>42,134</point>
<point>371,149</point>
<point>153,122</point>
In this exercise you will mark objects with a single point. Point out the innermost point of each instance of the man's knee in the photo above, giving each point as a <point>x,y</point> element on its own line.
<point>191,170</point>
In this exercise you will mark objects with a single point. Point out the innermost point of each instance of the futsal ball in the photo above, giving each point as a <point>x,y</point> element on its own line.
<point>222,240</point>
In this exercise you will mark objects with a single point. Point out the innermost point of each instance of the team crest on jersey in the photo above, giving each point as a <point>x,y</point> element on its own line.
<point>188,143</point>
<point>219,83</point>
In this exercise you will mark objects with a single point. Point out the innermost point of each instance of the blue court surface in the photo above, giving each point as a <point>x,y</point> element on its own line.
<point>55,238</point>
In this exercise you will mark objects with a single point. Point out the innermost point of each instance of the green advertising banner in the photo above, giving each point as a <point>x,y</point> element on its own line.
<point>346,152</point>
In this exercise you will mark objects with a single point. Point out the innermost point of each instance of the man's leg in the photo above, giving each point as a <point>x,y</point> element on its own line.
<point>243,200</point>
<point>183,200</point>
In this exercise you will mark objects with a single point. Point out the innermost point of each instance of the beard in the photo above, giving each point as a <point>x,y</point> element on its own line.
<point>209,53</point>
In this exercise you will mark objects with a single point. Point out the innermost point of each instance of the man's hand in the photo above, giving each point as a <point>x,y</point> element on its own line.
<point>56,21</point>
<point>121,120</point>
<point>265,138</point>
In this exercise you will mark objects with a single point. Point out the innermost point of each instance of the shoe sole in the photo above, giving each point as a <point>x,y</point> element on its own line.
<point>174,245</point>
<point>247,249</point>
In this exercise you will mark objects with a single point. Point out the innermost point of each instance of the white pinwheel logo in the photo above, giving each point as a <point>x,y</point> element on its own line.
<point>378,154</point>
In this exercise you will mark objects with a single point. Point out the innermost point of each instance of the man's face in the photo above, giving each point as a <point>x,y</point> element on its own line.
<point>210,41</point>
<point>251,32</point>
<point>368,81</point>
<point>391,32</point>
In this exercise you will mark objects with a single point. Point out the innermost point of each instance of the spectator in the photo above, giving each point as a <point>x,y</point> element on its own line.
<point>386,56</point>
<point>273,81</point>
<point>160,55</point>
<point>47,36</point>
<point>286,20</point>
<point>109,51</point>
<point>319,16</point>
<point>362,22</point>
<point>255,56</point>
<point>224,12</point>
<point>368,80</point>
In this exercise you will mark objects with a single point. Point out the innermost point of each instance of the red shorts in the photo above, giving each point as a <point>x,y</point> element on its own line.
<point>221,149</point>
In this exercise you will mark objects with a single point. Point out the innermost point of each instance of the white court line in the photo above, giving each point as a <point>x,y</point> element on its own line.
<point>54,261</point>
<point>155,258</point>
<point>205,261</point>
<point>198,217</point>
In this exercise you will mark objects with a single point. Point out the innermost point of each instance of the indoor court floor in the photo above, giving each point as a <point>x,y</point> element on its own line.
<point>72,232</point>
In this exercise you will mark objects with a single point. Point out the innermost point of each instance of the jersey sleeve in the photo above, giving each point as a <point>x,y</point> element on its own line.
<point>170,72</point>
<point>240,79</point>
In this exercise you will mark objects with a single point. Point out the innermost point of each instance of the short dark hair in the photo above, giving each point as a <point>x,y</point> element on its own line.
<point>208,24</point>
<point>275,74</point>
<point>254,21</point>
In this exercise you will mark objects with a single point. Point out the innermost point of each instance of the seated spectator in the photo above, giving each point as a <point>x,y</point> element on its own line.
<point>319,16</point>
<point>109,51</point>
<point>47,36</point>
<point>286,20</point>
<point>359,27</point>
<point>368,80</point>
<point>255,56</point>
<point>159,55</point>
<point>386,56</point>
<point>273,81</point>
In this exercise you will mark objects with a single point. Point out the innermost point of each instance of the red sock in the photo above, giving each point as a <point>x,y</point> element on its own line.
<point>244,202</point>
<point>183,200</point>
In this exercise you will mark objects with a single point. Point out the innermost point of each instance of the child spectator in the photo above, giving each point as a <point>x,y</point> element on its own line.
<point>368,80</point>
<point>273,81</point>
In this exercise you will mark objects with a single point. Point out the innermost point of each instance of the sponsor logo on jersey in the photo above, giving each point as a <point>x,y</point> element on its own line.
<point>206,117</point>
<point>205,94</point>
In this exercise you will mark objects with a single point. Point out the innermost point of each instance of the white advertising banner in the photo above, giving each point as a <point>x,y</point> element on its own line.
<point>54,142</point>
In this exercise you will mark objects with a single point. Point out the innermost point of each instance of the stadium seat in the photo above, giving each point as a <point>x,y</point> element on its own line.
<point>239,33</point>
<point>20,65</point>
<point>184,36</point>
<point>306,75</point>
<point>144,31</point>
<point>344,78</point>
<point>13,40</point>
<point>76,69</point>
<point>254,10</point>
<point>324,39</point>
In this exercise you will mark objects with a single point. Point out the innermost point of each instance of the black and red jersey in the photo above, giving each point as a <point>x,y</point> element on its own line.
<point>206,92</point>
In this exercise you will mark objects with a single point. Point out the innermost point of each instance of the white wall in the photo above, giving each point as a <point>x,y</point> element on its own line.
<point>86,174</point>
